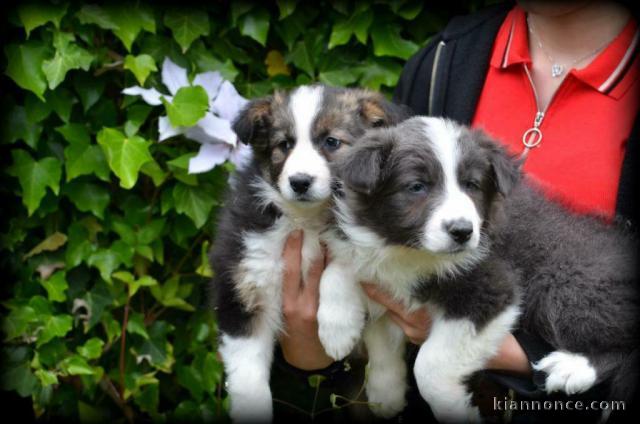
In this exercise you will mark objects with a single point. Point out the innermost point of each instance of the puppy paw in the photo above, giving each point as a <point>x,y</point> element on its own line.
<point>387,401</point>
<point>339,330</point>
<point>458,414</point>
<point>568,372</point>
<point>253,404</point>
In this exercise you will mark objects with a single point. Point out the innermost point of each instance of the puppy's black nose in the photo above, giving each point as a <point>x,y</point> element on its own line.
<point>300,183</point>
<point>460,230</point>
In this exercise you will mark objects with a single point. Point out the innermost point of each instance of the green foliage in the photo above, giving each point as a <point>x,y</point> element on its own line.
<point>107,242</point>
<point>188,106</point>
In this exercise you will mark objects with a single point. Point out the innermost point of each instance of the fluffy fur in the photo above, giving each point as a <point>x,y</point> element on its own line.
<point>438,214</point>
<point>294,137</point>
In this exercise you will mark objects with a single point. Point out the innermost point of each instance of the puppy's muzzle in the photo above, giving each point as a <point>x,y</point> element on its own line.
<point>460,230</point>
<point>300,183</point>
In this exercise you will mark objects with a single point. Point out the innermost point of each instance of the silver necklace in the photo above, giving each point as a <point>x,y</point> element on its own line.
<point>558,69</point>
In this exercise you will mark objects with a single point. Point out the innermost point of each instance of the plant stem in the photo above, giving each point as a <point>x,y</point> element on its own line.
<point>107,386</point>
<point>123,342</point>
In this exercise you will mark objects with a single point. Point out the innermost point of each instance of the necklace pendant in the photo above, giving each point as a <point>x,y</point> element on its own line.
<point>556,70</point>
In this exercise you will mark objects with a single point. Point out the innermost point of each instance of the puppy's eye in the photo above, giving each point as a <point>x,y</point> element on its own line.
<point>332,143</point>
<point>378,122</point>
<point>417,187</point>
<point>285,145</point>
<point>472,185</point>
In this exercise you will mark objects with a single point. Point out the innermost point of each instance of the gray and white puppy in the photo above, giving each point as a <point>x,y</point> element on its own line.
<point>438,214</point>
<point>288,185</point>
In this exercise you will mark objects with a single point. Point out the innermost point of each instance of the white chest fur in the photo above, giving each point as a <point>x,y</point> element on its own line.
<point>259,275</point>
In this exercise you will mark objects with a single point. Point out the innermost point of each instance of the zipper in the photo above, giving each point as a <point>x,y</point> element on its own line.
<point>434,71</point>
<point>533,136</point>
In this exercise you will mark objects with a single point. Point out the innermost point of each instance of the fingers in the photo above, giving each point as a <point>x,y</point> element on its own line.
<point>292,257</point>
<point>415,325</point>
<point>416,335</point>
<point>384,299</point>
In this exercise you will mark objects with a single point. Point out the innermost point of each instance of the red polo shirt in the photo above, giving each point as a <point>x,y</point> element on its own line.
<point>586,125</point>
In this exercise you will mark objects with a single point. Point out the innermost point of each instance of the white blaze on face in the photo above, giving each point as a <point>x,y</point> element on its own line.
<point>455,203</point>
<point>304,106</point>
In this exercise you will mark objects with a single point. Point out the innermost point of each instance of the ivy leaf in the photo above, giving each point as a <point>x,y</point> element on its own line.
<point>286,8</point>
<point>106,261</point>
<point>153,170</point>
<point>125,155</point>
<point>76,365</point>
<point>133,283</point>
<point>307,52</point>
<point>35,177</point>
<point>157,348</point>
<point>141,66</point>
<point>17,127</point>
<point>82,157</point>
<point>239,8</point>
<point>50,244</point>
<point>61,101</point>
<point>387,41</point>
<point>255,25</point>
<point>92,349</point>
<point>19,377</point>
<point>340,77</point>
<point>205,266</point>
<point>195,202</point>
<point>136,116</point>
<point>148,398</point>
<point>79,247</point>
<point>212,371</point>
<point>24,66</point>
<point>68,56</point>
<point>136,325</point>
<point>191,380</point>
<point>17,321</point>
<point>302,57</point>
<point>88,197</point>
<point>170,294</point>
<point>47,378</point>
<point>275,64</point>
<point>32,16</point>
<point>130,20</point>
<point>126,22</point>
<point>408,10</point>
<point>380,72</point>
<point>94,14</point>
<point>36,110</point>
<point>97,300</point>
<point>205,61</point>
<point>189,105</point>
<point>187,26</point>
<point>89,89</point>
<point>56,286</point>
<point>55,326</point>
<point>344,28</point>
<point>74,133</point>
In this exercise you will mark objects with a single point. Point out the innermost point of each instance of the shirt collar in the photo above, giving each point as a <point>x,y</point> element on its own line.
<point>511,48</point>
<point>512,42</point>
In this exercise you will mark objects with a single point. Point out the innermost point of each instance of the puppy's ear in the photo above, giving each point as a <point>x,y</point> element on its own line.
<point>379,112</point>
<point>362,169</point>
<point>505,167</point>
<point>253,123</point>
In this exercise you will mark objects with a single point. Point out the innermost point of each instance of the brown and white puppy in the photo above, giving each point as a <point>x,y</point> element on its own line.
<point>438,214</point>
<point>294,137</point>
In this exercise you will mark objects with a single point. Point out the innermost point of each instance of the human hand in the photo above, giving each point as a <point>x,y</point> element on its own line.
<point>299,342</point>
<point>510,357</point>
<point>416,324</point>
